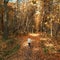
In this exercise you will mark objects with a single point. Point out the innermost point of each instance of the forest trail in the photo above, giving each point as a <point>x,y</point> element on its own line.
<point>35,52</point>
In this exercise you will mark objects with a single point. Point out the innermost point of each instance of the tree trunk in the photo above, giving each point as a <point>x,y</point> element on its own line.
<point>5,31</point>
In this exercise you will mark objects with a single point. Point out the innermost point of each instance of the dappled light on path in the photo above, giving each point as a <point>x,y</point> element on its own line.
<point>45,39</point>
<point>34,34</point>
<point>25,44</point>
<point>49,45</point>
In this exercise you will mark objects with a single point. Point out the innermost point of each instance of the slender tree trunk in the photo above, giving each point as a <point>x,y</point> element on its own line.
<point>5,31</point>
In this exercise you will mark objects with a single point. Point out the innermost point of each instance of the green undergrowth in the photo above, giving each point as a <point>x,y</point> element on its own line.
<point>12,46</point>
<point>11,51</point>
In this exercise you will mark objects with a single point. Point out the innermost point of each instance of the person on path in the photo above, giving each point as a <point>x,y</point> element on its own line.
<point>29,42</point>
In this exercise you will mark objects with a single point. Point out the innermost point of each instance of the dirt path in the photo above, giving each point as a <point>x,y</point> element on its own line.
<point>33,53</point>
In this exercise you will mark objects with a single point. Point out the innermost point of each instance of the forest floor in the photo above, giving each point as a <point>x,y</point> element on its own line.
<point>42,48</point>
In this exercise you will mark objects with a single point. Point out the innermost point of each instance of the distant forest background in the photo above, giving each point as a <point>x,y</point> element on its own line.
<point>29,16</point>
